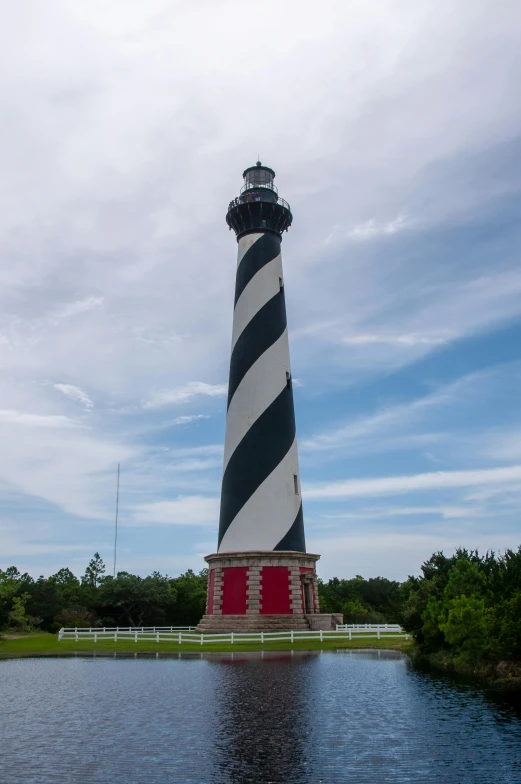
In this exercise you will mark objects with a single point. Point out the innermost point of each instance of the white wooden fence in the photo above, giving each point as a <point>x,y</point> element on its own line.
<point>171,634</point>
<point>373,627</point>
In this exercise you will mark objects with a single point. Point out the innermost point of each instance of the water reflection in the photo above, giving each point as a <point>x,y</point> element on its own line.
<point>336,718</point>
<point>264,718</point>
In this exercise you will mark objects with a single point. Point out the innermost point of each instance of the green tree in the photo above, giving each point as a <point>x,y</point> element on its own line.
<point>9,584</point>
<point>17,619</point>
<point>190,604</point>
<point>464,578</point>
<point>136,601</point>
<point>504,629</point>
<point>75,616</point>
<point>465,628</point>
<point>94,572</point>
<point>67,585</point>
<point>43,600</point>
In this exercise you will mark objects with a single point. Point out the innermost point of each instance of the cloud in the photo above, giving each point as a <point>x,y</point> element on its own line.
<point>401,426</point>
<point>184,510</point>
<point>370,229</point>
<point>35,420</point>
<point>405,340</point>
<point>77,307</point>
<point>387,421</point>
<point>379,513</point>
<point>74,393</point>
<point>391,485</point>
<point>185,393</point>
<point>185,420</point>
<point>502,445</point>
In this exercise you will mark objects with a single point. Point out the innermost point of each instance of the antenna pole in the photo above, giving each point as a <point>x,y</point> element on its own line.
<point>116,531</point>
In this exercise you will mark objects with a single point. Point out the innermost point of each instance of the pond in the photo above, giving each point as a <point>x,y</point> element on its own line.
<point>331,717</point>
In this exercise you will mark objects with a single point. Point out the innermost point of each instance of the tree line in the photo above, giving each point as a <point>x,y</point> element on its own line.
<point>97,599</point>
<point>466,606</point>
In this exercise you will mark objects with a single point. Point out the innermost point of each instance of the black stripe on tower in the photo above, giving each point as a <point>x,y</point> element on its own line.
<point>263,250</point>
<point>263,447</point>
<point>264,329</point>
<point>294,539</point>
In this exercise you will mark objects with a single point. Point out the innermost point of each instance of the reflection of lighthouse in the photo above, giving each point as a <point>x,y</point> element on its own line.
<point>261,576</point>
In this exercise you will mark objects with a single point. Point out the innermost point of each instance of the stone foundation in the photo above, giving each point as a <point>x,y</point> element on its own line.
<point>221,624</point>
<point>325,622</point>
<point>261,591</point>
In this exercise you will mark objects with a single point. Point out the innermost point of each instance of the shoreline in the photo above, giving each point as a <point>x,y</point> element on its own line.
<point>43,645</point>
<point>505,675</point>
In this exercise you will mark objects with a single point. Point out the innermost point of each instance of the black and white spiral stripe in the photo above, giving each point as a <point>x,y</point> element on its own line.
<point>261,505</point>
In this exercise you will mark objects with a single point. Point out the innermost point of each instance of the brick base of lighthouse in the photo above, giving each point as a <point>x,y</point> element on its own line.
<point>263,591</point>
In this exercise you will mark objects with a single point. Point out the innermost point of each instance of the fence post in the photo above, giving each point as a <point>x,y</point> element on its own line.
<point>179,638</point>
<point>406,636</point>
<point>292,635</point>
<point>157,636</point>
<point>76,634</point>
<point>262,637</point>
<point>135,636</point>
<point>95,636</point>
<point>378,634</point>
<point>321,637</point>
<point>349,633</point>
<point>232,638</point>
<point>202,638</point>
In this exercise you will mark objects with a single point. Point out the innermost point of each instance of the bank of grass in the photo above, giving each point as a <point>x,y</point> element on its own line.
<point>43,644</point>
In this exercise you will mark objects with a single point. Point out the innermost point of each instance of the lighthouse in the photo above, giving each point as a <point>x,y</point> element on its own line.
<point>261,577</point>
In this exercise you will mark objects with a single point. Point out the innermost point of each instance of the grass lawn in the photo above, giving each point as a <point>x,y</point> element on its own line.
<point>43,644</point>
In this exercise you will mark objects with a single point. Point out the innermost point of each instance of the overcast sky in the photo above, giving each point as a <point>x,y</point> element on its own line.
<point>394,127</point>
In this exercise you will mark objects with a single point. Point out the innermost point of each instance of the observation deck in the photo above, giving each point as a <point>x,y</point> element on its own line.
<point>258,208</point>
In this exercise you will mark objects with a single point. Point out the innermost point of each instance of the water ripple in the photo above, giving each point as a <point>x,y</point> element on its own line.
<point>307,718</point>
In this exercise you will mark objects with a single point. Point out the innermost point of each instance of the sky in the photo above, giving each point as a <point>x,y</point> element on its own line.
<point>394,127</point>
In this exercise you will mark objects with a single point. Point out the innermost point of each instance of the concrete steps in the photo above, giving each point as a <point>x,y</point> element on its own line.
<point>220,624</point>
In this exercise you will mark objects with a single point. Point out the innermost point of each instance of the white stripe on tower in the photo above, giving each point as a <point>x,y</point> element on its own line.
<point>260,502</point>
<point>260,386</point>
<point>262,288</point>
<point>258,524</point>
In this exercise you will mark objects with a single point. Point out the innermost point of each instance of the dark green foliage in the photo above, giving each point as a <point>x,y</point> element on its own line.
<point>94,572</point>
<point>191,597</point>
<point>17,619</point>
<point>136,601</point>
<point>376,600</point>
<point>126,600</point>
<point>75,616</point>
<point>467,605</point>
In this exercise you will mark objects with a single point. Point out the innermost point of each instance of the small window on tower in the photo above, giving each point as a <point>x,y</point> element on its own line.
<point>288,379</point>
<point>295,482</point>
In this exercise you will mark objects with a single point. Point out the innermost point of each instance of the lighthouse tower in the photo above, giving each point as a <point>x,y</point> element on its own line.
<point>261,577</point>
